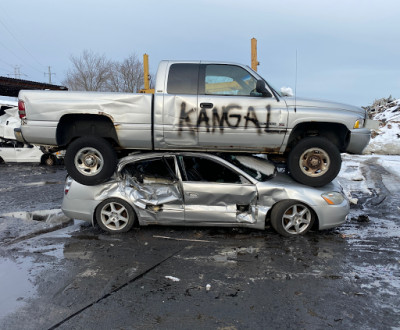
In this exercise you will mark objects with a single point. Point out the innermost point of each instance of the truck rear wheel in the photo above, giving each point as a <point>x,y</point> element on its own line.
<point>314,161</point>
<point>90,160</point>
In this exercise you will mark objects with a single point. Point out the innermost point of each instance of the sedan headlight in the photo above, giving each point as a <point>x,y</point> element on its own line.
<point>333,198</point>
<point>359,123</point>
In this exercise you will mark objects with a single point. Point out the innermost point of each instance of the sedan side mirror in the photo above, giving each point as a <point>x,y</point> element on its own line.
<point>261,88</point>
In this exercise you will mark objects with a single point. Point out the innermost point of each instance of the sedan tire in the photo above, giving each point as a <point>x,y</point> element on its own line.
<point>115,215</point>
<point>292,218</point>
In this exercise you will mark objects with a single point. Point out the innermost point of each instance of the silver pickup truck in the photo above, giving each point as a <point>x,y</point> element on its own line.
<point>207,106</point>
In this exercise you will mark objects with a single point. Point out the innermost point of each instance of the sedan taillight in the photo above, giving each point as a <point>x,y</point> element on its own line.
<point>67,186</point>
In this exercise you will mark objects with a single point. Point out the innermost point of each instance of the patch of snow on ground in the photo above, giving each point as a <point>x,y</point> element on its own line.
<point>172,278</point>
<point>391,164</point>
<point>351,177</point>
<point>385,140</point>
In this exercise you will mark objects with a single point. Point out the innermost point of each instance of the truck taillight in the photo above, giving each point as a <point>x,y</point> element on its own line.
<point>21,109</point>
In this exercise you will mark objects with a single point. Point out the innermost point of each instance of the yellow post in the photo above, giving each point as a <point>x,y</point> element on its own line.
<point>146,76</point>
<point>254,62</point>
<point>146,71</point>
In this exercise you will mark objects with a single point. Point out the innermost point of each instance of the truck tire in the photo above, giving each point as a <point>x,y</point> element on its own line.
<point>49,160</point>
<point>90,160</point>
<point>314,161</point>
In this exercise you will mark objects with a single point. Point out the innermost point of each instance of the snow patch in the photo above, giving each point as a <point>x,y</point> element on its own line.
<point>172,278</point>
<point>386,139</point>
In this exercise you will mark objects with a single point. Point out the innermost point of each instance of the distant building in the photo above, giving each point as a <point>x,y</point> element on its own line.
<point>11,86</point>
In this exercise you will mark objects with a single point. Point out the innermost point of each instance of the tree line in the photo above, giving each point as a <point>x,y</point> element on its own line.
<point>94,72</point>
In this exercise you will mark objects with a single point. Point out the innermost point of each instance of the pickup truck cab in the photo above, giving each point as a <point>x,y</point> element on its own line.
<point>197,106</point>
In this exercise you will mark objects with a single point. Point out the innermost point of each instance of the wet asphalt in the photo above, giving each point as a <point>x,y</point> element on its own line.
<point>57,273</point>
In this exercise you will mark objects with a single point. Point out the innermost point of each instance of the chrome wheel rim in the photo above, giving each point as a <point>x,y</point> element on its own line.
<point>89,161</point>
<point>296,219</point>
<point>314,162</point>
<point>114,216</point>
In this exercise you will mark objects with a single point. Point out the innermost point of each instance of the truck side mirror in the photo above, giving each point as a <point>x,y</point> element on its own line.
<point>261,88</point>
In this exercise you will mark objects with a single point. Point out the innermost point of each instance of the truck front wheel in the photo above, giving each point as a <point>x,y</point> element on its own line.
<point>90,160</point>
<point>314,161</point>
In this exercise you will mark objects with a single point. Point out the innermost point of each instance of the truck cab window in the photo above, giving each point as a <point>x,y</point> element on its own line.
<point>229,80</point>
<point>183,79</point>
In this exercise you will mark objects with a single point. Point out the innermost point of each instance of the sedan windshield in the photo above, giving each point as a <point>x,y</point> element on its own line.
<point>258,168</point>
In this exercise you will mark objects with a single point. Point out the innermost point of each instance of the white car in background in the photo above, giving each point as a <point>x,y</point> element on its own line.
<point>17,152</point>
<point>12,151</point>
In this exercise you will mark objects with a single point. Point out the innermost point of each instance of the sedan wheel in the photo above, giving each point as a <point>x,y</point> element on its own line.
<point>290,218</point>
<point>115,215</point>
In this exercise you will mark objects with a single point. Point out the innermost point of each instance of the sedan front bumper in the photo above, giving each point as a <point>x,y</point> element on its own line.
<point>330,216</point>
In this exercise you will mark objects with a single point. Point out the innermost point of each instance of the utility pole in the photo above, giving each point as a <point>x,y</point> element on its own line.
<point>49,73</point>
<point>254,61</point>
<point>17,72</point>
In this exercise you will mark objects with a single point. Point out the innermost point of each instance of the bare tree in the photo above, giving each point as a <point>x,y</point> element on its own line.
<point>90,72</point>
<point>127,76</point>
<point>94,72</point>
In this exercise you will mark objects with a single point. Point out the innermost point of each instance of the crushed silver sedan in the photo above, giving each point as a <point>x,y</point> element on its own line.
<point>196,189</point>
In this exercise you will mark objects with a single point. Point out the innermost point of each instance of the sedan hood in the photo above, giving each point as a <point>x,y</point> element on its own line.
<point>321,104</point>
<point>283,187</point>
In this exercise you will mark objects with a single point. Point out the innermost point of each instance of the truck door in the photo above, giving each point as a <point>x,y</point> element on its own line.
<point>180,106</point>
<point>233,115</point>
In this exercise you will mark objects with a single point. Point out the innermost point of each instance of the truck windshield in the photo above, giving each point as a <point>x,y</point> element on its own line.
<point>258,168</point>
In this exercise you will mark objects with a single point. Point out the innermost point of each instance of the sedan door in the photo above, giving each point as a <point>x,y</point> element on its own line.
<point>215,193</point>
<point>153,187</point>
<point>7,153</point>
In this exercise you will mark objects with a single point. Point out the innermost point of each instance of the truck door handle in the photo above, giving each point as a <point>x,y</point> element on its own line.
<point>206,105</point>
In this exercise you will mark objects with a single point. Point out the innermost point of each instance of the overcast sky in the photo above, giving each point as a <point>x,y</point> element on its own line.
<point>347,51</point>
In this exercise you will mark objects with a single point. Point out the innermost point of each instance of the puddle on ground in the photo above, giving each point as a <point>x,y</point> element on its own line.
<point>15,284</point>
<point>54,216</point>
<point>43,183</point>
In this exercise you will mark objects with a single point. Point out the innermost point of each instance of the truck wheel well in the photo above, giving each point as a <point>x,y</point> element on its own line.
<point>71,127</point>
<point>338,134</point>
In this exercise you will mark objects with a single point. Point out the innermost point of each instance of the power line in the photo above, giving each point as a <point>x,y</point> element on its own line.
<point>20,57</point>
<point>19,43</point>
<point>6,63</point>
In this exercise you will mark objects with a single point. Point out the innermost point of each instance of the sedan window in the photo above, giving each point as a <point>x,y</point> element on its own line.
<point>202,169</point>
<point>258,168</point>
<point>159,170</point>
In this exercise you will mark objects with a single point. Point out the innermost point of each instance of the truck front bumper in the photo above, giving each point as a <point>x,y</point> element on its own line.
<point>359,139</point>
